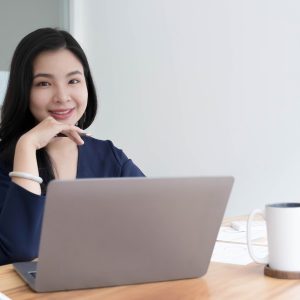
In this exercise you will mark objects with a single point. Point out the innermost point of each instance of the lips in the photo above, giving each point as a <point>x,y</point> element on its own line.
<point>61,114</point>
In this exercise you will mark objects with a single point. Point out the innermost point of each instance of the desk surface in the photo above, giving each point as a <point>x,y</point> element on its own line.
<point>222,281</point>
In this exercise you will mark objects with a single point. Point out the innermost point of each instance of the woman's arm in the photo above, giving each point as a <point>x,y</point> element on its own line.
<point>33,140</point>
<point>25,161</point>
<point>21,203</point>
<point>20,221</point>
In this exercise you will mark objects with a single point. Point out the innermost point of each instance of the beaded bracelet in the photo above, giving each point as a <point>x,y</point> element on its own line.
<point>26,176</point>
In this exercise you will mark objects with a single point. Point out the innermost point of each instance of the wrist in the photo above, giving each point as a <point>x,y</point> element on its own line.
<point>25,142</point>
<point>25,175</point>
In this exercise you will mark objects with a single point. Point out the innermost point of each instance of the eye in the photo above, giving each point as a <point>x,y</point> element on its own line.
<point>42,83</point>
<point>74,81</point>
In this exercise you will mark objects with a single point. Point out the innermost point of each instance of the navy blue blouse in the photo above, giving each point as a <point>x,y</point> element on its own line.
<point>21,211</point>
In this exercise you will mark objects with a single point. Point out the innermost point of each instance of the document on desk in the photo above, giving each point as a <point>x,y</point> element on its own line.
<point>230,234</point>
<point>237,254</point>
<point>4,297</point>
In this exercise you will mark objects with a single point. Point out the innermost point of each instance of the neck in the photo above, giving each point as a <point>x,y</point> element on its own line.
<point>60,144</point>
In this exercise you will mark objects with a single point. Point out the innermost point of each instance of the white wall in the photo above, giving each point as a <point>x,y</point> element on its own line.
<point>18,18</point>
<point>196,87</point>
<point>3,84</point>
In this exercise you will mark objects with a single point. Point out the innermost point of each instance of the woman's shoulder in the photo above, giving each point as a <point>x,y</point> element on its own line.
<point>101,144</point>
<point>105,147</point>
<point>101,158</point>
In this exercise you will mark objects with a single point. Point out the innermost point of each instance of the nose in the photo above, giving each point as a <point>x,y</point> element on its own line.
<point>61,95</point>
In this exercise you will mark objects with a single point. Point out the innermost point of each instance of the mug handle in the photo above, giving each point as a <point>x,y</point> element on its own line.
<point>259,260</point>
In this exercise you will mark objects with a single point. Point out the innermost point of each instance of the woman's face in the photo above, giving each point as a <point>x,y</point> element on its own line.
<point>59,87</point>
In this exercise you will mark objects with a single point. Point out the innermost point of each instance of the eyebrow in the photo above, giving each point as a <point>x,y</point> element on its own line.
<point>47,75</point>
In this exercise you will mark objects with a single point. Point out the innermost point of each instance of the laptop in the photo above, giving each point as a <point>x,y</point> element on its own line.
<point>120,231</point>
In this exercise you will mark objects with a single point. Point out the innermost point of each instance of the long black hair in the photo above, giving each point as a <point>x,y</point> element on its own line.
<point>16,118</point>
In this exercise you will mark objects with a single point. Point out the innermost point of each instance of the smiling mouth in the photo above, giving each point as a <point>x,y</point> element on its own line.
<point>61,114</point>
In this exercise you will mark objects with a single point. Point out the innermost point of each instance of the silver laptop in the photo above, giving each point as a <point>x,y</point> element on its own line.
<point>108,232</point>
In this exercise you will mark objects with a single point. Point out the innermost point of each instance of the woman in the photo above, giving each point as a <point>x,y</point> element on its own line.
<point>50,100</point>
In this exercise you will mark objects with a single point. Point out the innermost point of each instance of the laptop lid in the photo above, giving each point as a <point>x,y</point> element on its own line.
<point>107,232</point>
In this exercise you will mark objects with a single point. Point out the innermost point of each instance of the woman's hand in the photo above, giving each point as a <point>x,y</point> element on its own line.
<point>36,138</point>
<point>43,133</point>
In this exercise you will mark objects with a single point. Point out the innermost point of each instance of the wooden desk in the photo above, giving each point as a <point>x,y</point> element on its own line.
<point>221,282</point>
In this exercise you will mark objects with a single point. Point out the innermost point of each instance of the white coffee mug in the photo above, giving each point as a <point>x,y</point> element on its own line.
<point>283,231</point>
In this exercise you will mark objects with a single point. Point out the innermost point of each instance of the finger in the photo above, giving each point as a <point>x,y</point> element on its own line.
<point>74,133</point>
<point>75,136</point>
<point>80,133</point>
<point>65,129</point>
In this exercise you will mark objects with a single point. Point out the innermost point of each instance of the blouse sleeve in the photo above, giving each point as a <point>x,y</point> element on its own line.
<point>20,221</point>
<point>128,168</point>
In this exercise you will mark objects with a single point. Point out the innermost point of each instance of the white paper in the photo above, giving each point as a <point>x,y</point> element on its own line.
<point>228,234</point>
<point>242,225</point>
<point>237,254</point>
<point>4,297</point>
